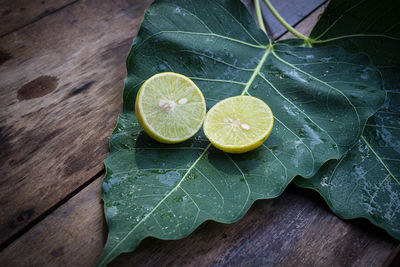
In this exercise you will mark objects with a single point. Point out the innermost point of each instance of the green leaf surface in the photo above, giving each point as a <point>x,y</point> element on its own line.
<point>320,97</point>
<point>366,181</point>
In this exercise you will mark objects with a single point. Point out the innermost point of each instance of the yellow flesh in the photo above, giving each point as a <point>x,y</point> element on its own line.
<point>170,107</point>
<point>238,124</point>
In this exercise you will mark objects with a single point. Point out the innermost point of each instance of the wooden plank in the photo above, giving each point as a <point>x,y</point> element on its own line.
<point>16,14</point>
<point>305,26</point>
<point>60,238</point>
<point>294,229</point>
<point>292,11</point>
<point>394,260</point>
<point>60,94</point>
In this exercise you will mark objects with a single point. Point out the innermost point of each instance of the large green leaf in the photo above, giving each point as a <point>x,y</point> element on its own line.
<point>320,97</point>
<point>366,181</point>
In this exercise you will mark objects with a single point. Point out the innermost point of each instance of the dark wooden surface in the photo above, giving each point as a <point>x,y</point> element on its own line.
<point>60,94</point>
<point>62,65</point>
<point>16,14</point>
<point>293,11</point>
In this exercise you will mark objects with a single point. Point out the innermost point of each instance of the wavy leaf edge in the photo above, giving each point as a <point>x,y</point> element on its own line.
<point>381,30</point>
<point>268,50</point>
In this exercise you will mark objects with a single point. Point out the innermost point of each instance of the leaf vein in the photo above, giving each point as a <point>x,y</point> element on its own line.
<point>294,105</point>
<point>328,85</point>
<point>201,34</point>
<point>301,140</point>
<point>215,188</point>
<point>245,179</point>
<point>379,158</point>
<point>240,24</point>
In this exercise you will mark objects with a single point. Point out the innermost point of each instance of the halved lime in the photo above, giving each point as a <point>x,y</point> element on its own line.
<point>238,124</point>
<point>170,107</point>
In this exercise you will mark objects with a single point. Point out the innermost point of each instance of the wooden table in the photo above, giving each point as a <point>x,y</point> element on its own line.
<point>62,66</point>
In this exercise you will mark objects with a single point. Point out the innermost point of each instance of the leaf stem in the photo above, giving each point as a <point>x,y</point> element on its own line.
<point>285,24</point>
<point>259,15</point>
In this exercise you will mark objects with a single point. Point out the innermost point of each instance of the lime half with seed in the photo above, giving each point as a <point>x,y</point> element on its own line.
<point>238,124</point>
<point>170,107</point>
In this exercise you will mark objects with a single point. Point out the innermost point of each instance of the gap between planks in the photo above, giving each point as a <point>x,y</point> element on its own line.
<point>318,10</point>
<point>311,18</point>
<point>304,23</point>
<point>394,259</point>
<point>38,18</point>
<point>54,140</point>
<point>42,216</point>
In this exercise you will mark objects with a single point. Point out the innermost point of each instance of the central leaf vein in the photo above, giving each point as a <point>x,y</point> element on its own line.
<point>248,84</point>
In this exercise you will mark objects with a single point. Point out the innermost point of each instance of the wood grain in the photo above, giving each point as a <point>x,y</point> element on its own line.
<point>72,236</point>
<point>79,97</point>
<point>305,26</point>
<point>293,11</point>
<point>60,94</point>
<point>15,14</point>
<point>296,229</point>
